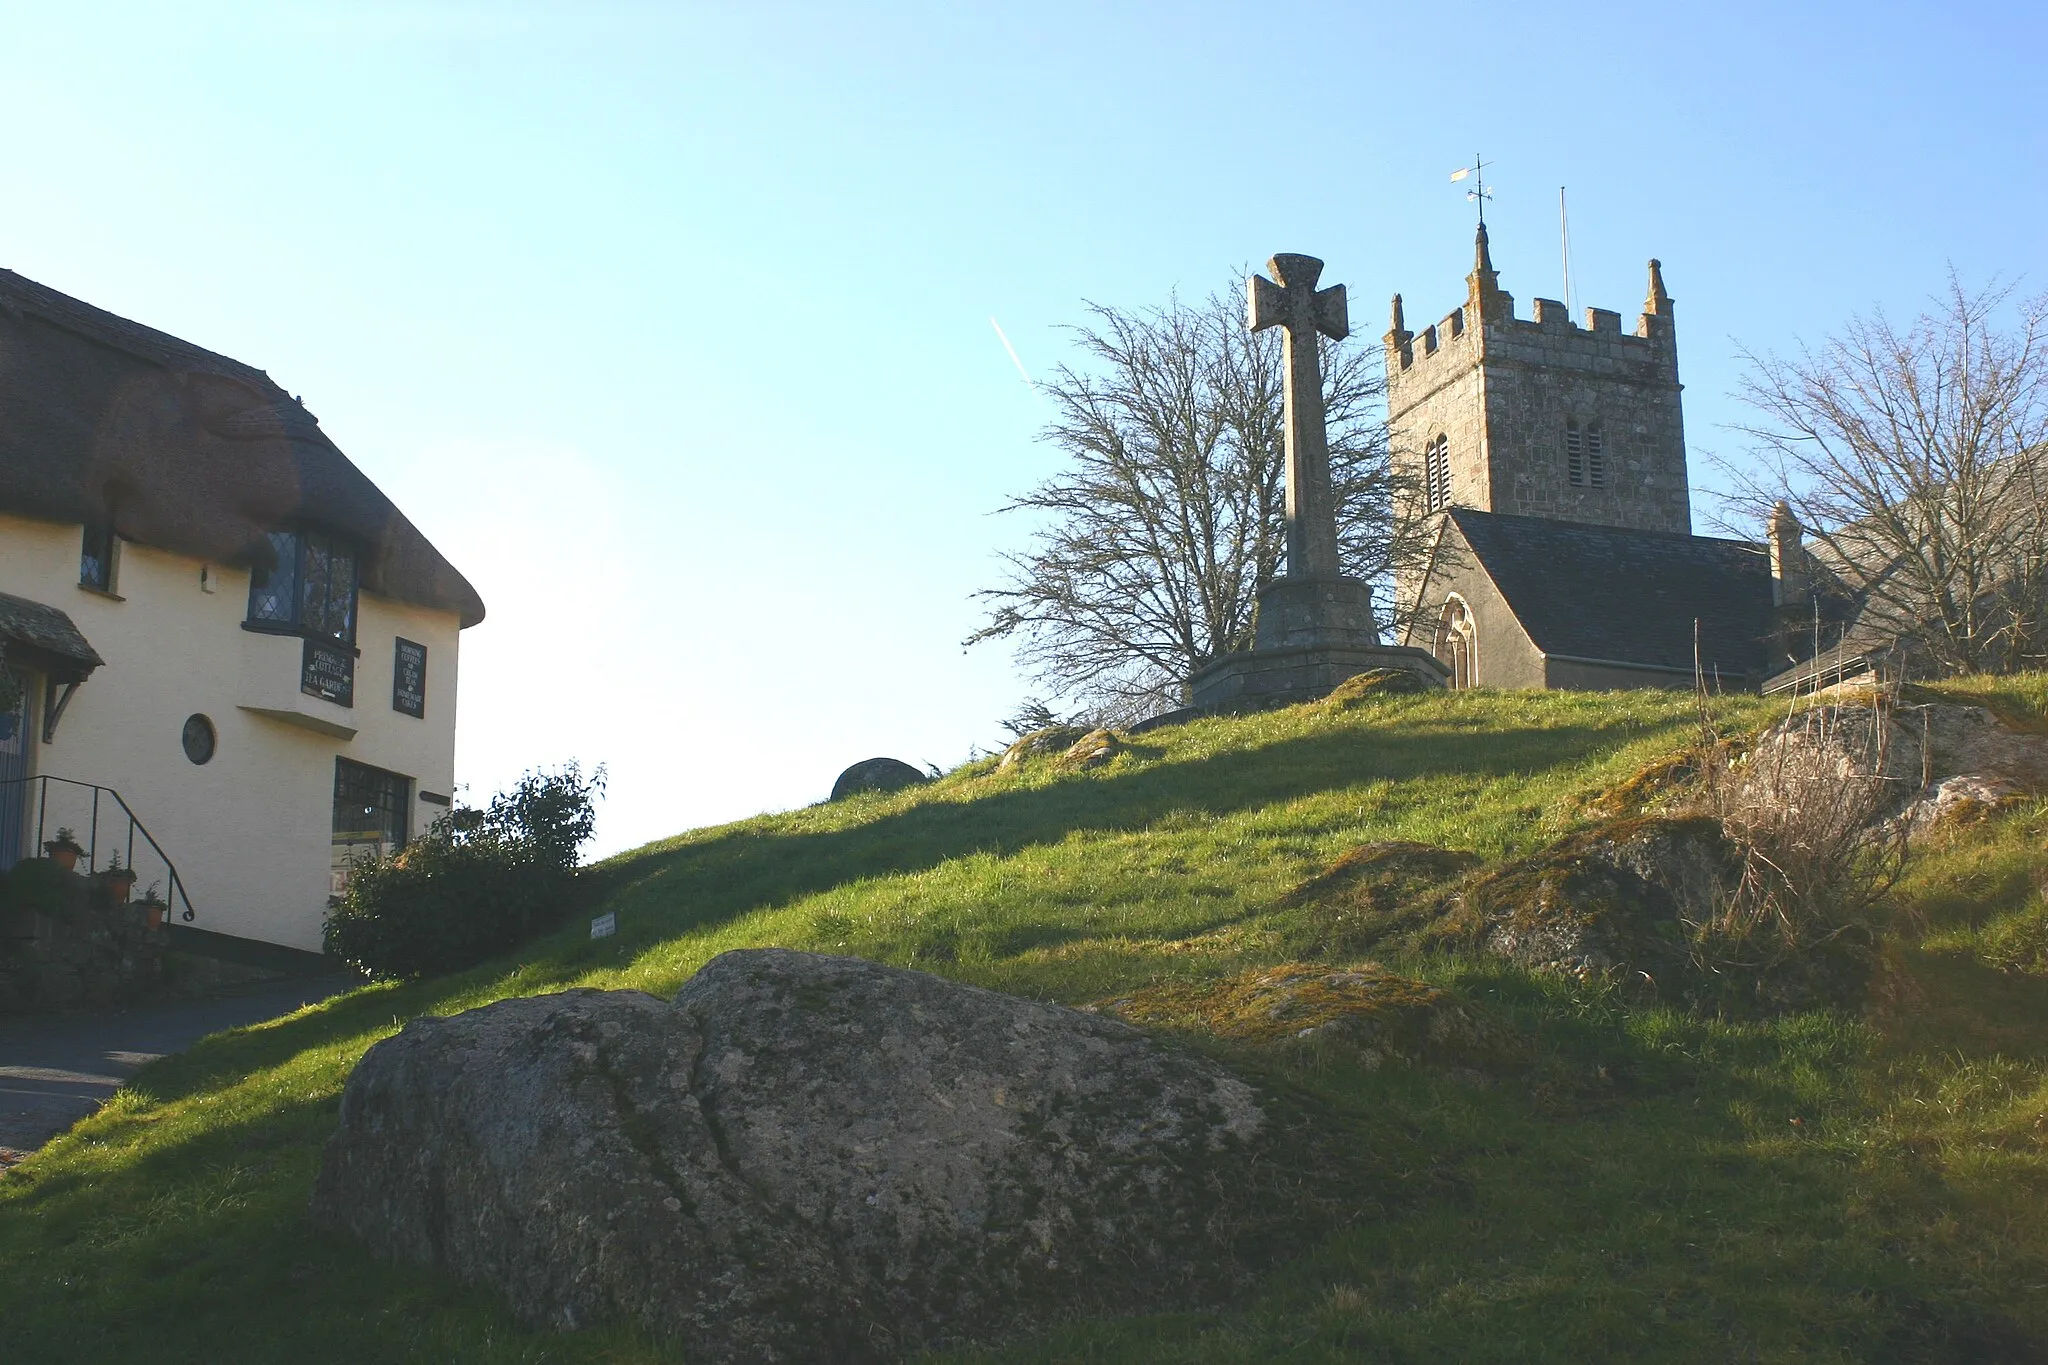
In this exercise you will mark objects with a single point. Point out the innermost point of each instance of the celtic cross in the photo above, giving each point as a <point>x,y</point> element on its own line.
<point>1291,300</point>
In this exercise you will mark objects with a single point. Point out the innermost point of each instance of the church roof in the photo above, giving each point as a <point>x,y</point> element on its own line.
<point>1627,596</point>
<point>103,420</point>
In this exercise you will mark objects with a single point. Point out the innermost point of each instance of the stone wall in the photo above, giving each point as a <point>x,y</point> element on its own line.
<point>1597,677</point>
<point>1505,656</point>
<point>1541,374</point>
<point>68,940</point>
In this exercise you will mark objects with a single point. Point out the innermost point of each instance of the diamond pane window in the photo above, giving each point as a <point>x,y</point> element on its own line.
<point>273,593</point>
<point>312,589</point>
<point>96,558</point>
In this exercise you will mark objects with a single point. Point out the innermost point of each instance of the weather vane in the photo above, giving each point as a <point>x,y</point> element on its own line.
<point>1478,194</point>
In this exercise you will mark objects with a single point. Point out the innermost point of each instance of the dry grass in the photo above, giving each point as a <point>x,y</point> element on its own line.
<point>1804,807</point>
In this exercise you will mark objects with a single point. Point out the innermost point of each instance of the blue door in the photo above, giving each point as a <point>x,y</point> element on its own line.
<point>14,776</point>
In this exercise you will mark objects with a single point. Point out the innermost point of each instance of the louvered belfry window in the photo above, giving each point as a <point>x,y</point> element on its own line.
<point>1436,475</point>
<point>1585,461</point>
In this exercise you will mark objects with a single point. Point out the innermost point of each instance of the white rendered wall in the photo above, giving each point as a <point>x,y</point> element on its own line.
<point>250,830</point>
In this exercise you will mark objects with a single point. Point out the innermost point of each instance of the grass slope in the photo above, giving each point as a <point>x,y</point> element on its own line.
<point>1660,1187</point>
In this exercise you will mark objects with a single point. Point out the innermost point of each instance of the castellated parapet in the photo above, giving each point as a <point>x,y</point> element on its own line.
<point>1542,416</point>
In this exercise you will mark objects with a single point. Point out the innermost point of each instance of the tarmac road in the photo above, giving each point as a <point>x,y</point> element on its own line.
<point>56,1069</point>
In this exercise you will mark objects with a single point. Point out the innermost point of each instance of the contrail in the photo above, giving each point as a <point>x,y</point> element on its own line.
<point>1023,373</point>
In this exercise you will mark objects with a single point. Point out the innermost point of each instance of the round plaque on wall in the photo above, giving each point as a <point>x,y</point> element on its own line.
<point>198,738</point>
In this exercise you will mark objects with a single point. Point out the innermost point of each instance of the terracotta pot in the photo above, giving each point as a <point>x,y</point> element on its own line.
<point>153,914</point>
<point>64,855</point>
<point>120,885</point>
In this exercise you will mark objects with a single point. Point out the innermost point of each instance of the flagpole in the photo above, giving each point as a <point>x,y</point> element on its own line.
<point>1564,234</point>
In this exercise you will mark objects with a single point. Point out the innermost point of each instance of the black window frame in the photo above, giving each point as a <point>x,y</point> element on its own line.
<point>99,547</point>
<point>298,596</point>
<point>373,789</point>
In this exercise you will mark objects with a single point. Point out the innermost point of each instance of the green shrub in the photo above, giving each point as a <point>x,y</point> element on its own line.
<point>479,883</point>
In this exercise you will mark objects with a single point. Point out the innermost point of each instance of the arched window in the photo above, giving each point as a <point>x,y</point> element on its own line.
<point>1457,643</point>
<point>1436,475</point>
<point>1585,459</point>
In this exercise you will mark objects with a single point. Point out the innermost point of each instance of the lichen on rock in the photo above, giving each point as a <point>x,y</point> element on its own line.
<point>1616,897</point>
<point>1092,750</point>
<point>1052,740</point>
<point>807,1158</point>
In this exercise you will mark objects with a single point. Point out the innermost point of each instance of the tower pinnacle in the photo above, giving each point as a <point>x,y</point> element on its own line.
<point>1658,301</point>
<point>1486,300</point>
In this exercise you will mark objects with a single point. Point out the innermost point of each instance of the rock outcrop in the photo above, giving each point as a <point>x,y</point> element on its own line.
<point>1092,750</point>
<point>1054,739</point>
<point>801,1158</point>
<point>1615,897</point>
<point>1936,761</point>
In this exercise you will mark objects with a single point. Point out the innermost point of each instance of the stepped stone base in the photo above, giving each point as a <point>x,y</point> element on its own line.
<point>1281,677</point>
<point>1313,633</point>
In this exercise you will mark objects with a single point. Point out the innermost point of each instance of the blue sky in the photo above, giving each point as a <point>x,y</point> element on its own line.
<point>670,323</point>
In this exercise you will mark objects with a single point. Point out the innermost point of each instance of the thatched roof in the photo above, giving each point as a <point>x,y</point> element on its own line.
<point>105,420</point>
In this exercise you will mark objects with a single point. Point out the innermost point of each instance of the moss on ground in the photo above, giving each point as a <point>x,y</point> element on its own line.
<point>1375,1014</point>
<point>1376,894</point>
<point>1373,685</point>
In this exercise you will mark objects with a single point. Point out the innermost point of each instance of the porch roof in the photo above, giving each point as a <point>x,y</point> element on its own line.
<point>44,638</point>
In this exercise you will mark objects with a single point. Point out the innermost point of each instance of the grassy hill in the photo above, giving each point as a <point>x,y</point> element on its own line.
<point>1647,1185</point>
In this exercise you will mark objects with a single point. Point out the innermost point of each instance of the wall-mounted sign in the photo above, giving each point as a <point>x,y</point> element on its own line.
<point>328,670</point>
<point>409,679</point>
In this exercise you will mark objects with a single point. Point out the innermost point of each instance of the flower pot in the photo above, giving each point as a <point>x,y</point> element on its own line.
<point>120,884</point>
<point>63,855</point>
<point>153,914</point>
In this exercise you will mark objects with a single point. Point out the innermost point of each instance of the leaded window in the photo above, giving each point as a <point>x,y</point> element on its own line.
<point>312,588</point>
<point>96,558</point>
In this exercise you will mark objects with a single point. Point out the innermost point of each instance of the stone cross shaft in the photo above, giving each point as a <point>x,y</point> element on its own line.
<point>1291,300</point>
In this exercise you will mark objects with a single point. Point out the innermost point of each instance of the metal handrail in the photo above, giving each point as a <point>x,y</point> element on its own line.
<point>177,889</point>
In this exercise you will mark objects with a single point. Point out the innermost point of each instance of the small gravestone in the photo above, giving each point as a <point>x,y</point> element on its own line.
<point>878,775</point>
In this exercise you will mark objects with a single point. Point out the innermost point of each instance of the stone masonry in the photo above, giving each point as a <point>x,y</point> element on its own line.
<point>1315,627</point>
<point>1502,393</point>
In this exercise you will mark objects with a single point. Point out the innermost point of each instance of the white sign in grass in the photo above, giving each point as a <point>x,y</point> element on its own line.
<point>605,925</point>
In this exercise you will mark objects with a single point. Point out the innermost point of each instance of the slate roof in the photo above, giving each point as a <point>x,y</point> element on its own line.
<point>1604,592</point>
<point>45,637</point>
<point>105,420</point>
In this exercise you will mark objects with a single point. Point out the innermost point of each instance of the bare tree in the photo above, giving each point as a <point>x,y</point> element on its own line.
<point>1913,458</point>
<point>1169,514</point>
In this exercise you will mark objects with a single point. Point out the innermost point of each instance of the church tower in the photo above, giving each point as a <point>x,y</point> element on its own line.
<point>1541,418</point>
<point>1547,461</point>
